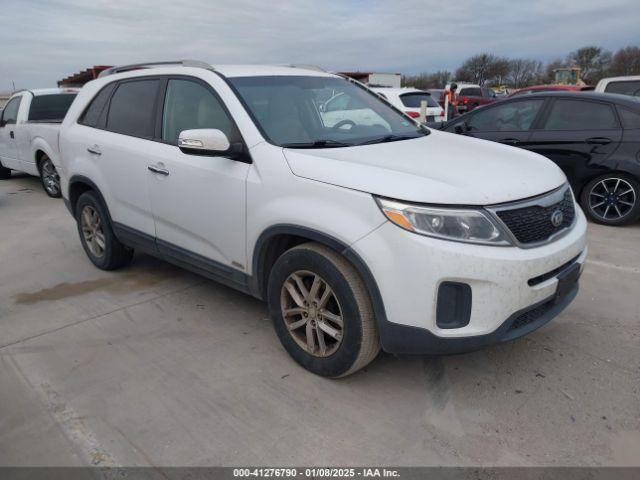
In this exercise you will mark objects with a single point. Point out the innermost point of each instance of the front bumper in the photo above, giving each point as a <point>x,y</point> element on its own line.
<point>410,268</point>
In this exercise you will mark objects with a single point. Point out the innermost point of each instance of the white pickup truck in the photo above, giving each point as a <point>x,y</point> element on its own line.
<point>29,126</point>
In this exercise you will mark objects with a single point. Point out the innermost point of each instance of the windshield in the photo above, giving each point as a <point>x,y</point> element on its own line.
<point>315,112</point>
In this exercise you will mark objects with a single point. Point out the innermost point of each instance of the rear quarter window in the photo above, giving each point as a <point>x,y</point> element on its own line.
<point>50,108</point>
<point>94,115</point>
<point>630,119</point>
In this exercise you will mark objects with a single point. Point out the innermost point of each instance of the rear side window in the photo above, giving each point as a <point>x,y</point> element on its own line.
<point>471,92</point>
<point>580,115</point>
<point>94,115</point>
<point>50,107</point>
<point>189,105</point>
<point>631,87</point>
<point>10,112</point>
<point>413,100</point>
<point>630,119</point>
<point>131,111</point>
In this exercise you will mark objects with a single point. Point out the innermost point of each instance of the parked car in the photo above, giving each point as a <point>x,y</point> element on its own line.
<point>551,88</point>
<point>593,137</point>
<point>471,96</point>
<point>409,101</point>
<point>359,236</point>
<point>437,94</point>
<point>623,85</point>
<point>29,127</point>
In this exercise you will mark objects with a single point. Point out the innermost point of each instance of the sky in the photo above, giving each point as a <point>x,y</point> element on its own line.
<point>42,41</point>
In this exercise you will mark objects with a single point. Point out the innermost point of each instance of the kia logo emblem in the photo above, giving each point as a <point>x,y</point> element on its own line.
<point>556,218</point>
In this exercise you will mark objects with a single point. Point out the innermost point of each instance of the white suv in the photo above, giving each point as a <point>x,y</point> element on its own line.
<point>359,236</point>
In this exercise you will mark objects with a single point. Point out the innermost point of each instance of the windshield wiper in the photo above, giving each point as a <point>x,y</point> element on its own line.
<point>317,144</point>
<point>389,138</point>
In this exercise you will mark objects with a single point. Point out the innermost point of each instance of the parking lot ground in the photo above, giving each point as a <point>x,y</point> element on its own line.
<point>152,365</point>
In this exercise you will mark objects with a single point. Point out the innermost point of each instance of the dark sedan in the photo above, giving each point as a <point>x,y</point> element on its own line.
<point>593,137</point>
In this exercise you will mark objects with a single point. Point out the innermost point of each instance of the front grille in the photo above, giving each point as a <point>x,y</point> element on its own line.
<point>531,316</point>
<point>532,224</point>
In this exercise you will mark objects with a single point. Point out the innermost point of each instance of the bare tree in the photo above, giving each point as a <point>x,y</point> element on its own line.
<point>427,80</point>
<point>499,71</point>
<point>593,61</point>
<point>524,72</point>
<point>626,61</point>
<point>477,69</point>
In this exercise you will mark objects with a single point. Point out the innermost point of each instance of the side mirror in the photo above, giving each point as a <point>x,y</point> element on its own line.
<point>204,141</point>
<point>321,107</point>
<point>211,142</point>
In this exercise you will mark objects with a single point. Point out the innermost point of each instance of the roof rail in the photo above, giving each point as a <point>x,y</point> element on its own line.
<point>138,66</point>
<point>305,67</point>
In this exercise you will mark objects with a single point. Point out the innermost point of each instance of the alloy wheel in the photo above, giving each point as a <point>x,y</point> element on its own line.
<point>92,231</point>
<point>612,198</point>
<point>312,313</point>
<point>50,177</point>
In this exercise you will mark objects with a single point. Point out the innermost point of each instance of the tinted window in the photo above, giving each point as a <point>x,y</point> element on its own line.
<point>131,108</point>
<point>630,119</point>
<point>508,117</point>
<point>631,87</point>
<point>94,115</point>
<point>50,107</point>
<point>580,115</point>
<point>471,92</point>
<point>189,105</point>
<point>10,112</point>
<point>413,100</point>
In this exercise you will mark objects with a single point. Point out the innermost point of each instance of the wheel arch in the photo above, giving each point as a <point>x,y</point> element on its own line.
<point>78,185</point>
<point>277,239</point>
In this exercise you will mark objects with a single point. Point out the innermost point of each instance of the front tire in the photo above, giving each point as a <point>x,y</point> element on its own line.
<point>96,234</point>
<point>612,199</point>
<point>49,177</point>
<point>321,311</point>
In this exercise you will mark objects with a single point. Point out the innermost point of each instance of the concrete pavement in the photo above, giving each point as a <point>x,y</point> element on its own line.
<point>152,365</point>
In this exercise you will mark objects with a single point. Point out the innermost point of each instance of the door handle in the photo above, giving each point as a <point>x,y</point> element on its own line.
<point>158,170</point>
<point>95,150</point>
<point>11,134</point>
<point>510,141</point>
<point>598,141</point>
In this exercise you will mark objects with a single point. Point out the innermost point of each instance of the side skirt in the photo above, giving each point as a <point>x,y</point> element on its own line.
<point>183,258</point>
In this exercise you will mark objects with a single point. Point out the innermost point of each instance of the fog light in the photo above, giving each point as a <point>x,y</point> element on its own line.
<point>453,309</point>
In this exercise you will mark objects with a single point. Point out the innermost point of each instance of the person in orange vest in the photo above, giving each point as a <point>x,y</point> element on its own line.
<point>453,100</point>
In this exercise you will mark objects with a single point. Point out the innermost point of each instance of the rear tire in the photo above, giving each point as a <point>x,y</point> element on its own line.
<point>5,173</point>
<point>96,234</point>
<point>337,314</point>
<point>49,177</point>
<point>612,199</point>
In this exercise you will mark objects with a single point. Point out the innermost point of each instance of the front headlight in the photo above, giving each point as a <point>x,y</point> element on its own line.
<point>463,225</point>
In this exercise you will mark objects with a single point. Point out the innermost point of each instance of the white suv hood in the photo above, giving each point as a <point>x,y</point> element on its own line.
<point>441,168</point>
